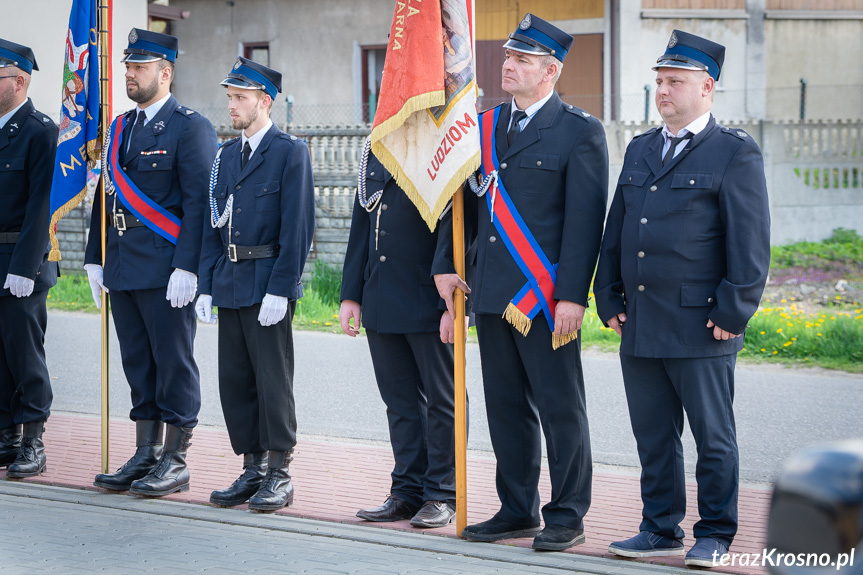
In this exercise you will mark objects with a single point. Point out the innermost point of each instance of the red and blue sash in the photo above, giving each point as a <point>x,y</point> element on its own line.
<point>538,293</point>
<point>152,214</point>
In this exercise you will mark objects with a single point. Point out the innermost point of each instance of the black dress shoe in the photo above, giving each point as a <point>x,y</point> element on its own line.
<point>254,471</point>
<point>30,460</point>
<point>393,509</point>
<point>558,538</point>
<point>496,529</point>
<point>276,490</point>
<point>10,444</point>
<point>434,514</point>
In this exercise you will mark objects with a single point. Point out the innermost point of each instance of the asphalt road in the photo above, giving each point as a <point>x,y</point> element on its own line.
<point>779,410</point>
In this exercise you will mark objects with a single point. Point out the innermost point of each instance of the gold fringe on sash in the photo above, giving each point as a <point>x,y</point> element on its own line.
<point>522,324</point>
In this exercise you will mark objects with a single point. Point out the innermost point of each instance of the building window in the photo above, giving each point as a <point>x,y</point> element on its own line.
<point>257,52</point>
<point>372,75</point>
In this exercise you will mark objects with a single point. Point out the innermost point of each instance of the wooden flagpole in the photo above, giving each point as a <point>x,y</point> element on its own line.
<point>459,365</point>
<point>105,120</point>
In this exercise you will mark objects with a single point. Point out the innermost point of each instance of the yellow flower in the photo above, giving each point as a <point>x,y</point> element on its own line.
<point>329,323</point>
<point>818,334</point>
<point>787,343</point>
<point>762,333</point>
<point>793,339</point>
<point>779,330</point>
<point>782,301</point>
<point>762,349</point>
<point>775,352</point>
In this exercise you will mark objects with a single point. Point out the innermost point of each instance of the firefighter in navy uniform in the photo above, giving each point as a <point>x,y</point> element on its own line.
<point>257,233</point>
<point>682,268</point>
<point>158,164</point>
<point>28,141</point>
<point>552,160</point>
<point>387,287</point>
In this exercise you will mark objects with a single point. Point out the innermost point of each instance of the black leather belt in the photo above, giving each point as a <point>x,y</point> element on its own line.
<point>9,237</point>
<point>236,253</point>
<point>124,220</point>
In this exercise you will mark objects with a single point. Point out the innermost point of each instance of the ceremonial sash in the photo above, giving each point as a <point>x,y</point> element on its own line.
<point>538,293</point>
<point>145,209</point>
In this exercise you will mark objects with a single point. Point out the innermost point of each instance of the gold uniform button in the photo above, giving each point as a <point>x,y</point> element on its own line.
<point>383,258</point>
<point>503,166</point>
<point>643,220</point>
<point>652,188</point>
<point>641,254</point>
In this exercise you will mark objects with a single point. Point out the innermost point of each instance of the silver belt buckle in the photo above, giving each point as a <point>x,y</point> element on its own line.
<point>232,252</point>
<point>120,221</point>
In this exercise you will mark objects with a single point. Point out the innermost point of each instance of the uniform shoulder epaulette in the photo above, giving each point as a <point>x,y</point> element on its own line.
<point>289,137</point>
<point>578,112</point>
<point>650,131</point>
<point>187,112</point>
<point>737,133</point>
<point>42,118</point>
<point>230,142</point>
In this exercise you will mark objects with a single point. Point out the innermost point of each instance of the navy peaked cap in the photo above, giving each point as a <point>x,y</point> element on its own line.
<point>148,46</point>
<point>536,36</point>
<point>690,52</point>
<point>12,54</point>
<point>250,75</point>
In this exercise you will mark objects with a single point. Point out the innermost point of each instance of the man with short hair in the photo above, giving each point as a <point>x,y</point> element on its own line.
<point>683,265</point>
<point>158,159</point>
<point>539,230</point>
<point>28,141</point>
<point>258,230</point>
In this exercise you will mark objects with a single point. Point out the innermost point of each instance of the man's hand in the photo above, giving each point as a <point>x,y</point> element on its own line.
<point>446,284</point>
<point>19,286</point>
<point>273,309</point>
<point>182,287</point>
<point>616,323</point>
<point>567,317</point>
<point>719,333</point>
<point>95,276</point>
<point>204,308</point>
<point>350,309</point>
<point>447,328</point>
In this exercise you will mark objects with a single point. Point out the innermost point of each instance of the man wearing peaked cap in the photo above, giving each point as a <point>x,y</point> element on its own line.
<point>683,264</point>
<point>258,229</point>
<point>28,142</point>
<point>158,159</point>
<point>551,162</point>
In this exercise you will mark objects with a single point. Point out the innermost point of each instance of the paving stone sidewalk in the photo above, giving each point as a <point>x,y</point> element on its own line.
<point>332,480</point>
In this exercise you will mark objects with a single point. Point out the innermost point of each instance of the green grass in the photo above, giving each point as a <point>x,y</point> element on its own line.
<point>844,247</point>
<point>72,293</point>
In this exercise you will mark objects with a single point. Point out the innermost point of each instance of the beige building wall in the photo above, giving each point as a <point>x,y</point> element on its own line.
<point>42,25</point>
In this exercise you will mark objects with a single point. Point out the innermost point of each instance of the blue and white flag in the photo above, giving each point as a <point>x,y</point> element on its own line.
<point>79,123</point>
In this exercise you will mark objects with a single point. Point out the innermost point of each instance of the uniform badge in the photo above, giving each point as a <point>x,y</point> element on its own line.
<point>741,133</point>
<point>525,23</point>
<point>672,42</point>
<point>16,125</point>
<point>159,127</point>
<point>189,112</point>
<point>133,36</point>
<point>237,64</point>
<point>585,114</point>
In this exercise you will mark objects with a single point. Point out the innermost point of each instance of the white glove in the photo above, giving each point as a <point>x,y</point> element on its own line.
<point>19,286</point>
<point>181,288</point>
<point>204,309</point>
<point>96,277</point>
<point>273,309</point>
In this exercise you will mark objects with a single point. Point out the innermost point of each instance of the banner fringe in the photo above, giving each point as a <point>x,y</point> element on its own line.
<point>414,104</point>
<point>54,254</point>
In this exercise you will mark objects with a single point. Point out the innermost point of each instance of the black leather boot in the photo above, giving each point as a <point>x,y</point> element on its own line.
<point>10,444</point>
<point>276,490</point>
<point>148,438</point>
<point>246,485</point>
<point>170,474</point>
<point>31,456</point>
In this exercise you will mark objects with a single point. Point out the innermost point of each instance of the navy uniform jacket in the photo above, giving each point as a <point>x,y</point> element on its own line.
<point>176,180</point>
<point>685,243</point>
<point>391,281</point>
<point>556,173</point>
<point>28,143</point>
<point>274,203</point>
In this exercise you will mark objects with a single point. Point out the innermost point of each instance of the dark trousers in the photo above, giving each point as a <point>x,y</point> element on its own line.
<point>25,388</point>
<point>256,380</point>
<point>414,372</point>
<point>528,385</point>
<point>156,346</point>
<point>658,391</point>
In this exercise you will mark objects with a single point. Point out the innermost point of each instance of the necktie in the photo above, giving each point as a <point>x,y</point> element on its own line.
<point>515,126</point>
<point>669,154</point>
<point>247,151</point>
<point>139,123</point>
